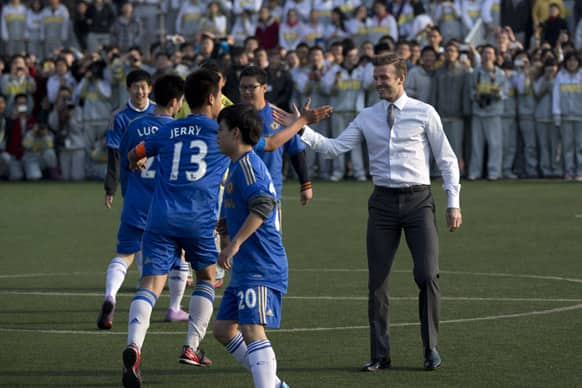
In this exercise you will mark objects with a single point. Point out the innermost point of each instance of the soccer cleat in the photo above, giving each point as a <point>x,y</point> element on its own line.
<point>218,283</point>
<point>194,357</point>
<point>105,317</point>
<point>176,315</point>
<point>131,373</point>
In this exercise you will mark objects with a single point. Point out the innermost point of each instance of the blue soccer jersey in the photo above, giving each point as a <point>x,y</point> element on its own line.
<point>138,186</point>
<point>189,173</point>
<point>121,120</point>
<point>261,259</point>
<point>274,160</point>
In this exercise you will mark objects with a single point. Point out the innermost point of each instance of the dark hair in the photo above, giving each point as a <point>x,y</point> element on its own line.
<point>214,65</point>
<point>391,59</point>
<point>21,95</point>
<point>138,76</point>
<point>167,87</point>
<point>246,119</point>
<point>426,49</point>
<point>254,71</point>
<point>199,86</point>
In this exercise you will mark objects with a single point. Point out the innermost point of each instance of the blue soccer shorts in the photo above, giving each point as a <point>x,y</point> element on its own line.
<point>161,253</point>
<point>128,239</point>
<point>251,305</point>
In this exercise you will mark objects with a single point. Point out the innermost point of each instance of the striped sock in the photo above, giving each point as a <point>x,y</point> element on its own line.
<point>238,349</point>
<point>140,312</point>
<point>263,363</point>
<point>201,307</point>
<point>177,285</point>
<point>115,276</point>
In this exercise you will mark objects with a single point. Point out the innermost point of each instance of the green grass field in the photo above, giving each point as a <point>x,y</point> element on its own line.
<point>511,280</point>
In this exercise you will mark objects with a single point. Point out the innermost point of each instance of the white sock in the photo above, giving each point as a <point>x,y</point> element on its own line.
<point>238,349</point>
<point>140,312</point>
<point>116,272</point>
<point>177,285</point>
<point>201,306</point>
<point>138,260</point>
<point>219,272</point>
<point>263,363</point>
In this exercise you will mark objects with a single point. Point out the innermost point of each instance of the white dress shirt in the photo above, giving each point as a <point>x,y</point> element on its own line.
<point>399,157</point>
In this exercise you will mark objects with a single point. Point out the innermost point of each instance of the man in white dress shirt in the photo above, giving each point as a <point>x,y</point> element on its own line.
<point>400,132</point>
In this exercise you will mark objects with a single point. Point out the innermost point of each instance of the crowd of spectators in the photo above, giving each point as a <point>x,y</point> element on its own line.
<point>503,74</point>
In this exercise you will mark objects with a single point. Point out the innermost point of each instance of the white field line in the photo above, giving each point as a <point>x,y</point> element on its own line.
<point>307,298</point>
<point>331,270</point>
<point>313,329</point>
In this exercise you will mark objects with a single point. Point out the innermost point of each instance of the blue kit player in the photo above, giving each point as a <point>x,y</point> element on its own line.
<point>139,87</point>
<point>255,252</point>
<point>253,86</point>
<point>129,239</point>
<point>182,216</point>
<point>138,189</point>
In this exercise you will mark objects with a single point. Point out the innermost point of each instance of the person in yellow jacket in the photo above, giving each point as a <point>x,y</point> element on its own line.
<point>541,10</point>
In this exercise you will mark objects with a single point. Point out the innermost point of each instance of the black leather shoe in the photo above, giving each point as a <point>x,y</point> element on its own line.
<point>432,359</point>
<point>375,365</point>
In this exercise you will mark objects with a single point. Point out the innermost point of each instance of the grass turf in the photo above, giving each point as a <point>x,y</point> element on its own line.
<point>511,280</point>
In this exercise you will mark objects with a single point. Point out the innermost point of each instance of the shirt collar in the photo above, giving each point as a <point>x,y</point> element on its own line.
<point>136,109</point>
<point>398,103</point>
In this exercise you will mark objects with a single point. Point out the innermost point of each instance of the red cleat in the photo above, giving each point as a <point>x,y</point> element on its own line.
<point>190,356</point>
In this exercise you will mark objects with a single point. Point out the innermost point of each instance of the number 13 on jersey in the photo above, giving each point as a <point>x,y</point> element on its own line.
<point>196,159</point>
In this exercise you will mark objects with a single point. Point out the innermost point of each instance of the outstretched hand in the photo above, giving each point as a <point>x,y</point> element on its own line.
<point>310,115</point>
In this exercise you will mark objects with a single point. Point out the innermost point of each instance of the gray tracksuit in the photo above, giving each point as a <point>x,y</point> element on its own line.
<point>346,95</point>
<point>451,99</point>
<point>526,105</point>
<point>509,127</point>
<point>487,93</point>
<point>547,133</point>
<point>13,29</point>
<point>567,112</point>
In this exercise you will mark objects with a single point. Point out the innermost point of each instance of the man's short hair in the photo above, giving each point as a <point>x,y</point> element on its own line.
<point>199,86</point>
<point>137,76</point>
<point>167,87</point>
<point>254,71</point>
<point>246,118</point>
<point>214,65</point>
<point>391,59</point>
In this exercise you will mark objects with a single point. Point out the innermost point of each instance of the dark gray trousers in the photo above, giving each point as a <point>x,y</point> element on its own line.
<point>389,212</point>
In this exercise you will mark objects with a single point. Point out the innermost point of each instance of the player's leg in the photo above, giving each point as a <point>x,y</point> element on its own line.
<point>235,307</point>
<point>160,254</point>
<point>128,243</point>
<point>260,307</point>
<point>177,285</point>
<point>201,254</point>
<point>226,329</point>
<point>219,270</point>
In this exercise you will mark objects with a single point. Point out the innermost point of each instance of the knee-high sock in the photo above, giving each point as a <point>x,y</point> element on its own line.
<point>200,313</point>
<point>116,272</point>
<point>238,349</point>
<point>177,285</point>
<point>263,363</point>
<point>140,312</point>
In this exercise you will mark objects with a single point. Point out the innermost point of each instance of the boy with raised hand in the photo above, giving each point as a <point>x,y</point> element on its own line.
<point>138,189</point>
<point>255,253</point>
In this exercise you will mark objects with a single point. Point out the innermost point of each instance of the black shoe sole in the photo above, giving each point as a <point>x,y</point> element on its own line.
<point>106,309</point>
<point>130,378</point>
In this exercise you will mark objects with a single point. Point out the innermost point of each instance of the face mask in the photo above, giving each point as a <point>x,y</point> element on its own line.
<point>21,108</point>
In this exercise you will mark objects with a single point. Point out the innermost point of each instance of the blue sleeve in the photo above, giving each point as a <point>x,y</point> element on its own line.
<point>294,145</point>
<point>114,133</point>
<point>153,144</point>
<point>258,188</point>
<point>260,146</point>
